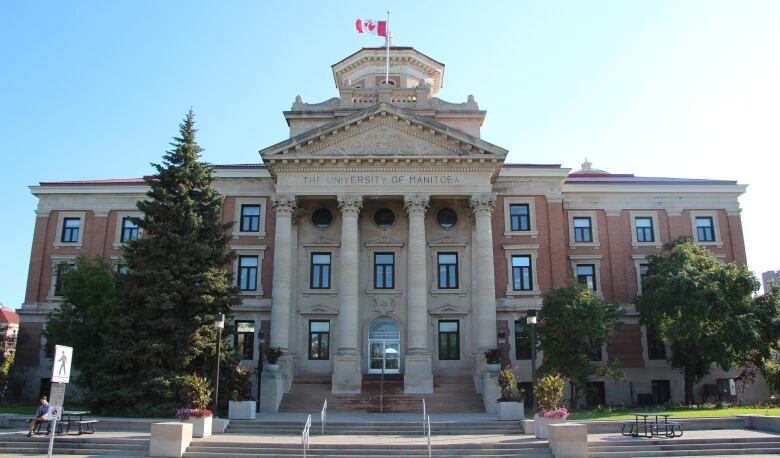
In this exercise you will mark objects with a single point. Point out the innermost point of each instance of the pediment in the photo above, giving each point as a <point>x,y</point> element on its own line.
<point>384,241</point>
<point>318,309</point>
<point>383,132</point>
<point>448,309</point>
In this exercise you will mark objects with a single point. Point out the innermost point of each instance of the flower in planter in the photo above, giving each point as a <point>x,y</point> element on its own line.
<point>560,412</point>
<point>507,380</point>
<point>549,392</point>
<point>272,354</point>
<point>493,356</point>
<point>185,412</point>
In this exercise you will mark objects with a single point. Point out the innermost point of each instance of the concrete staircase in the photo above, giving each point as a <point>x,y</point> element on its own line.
<point>294,428</point>
<point>12,444</point>
<point>525,449</point>
<point>451,394</point>
<point>685,447</point>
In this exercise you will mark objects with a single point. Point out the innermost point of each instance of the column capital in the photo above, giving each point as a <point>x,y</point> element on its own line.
<point>350,204</point>
<point>416,204</point>
<point>283,204</point>
<point>483,204</point>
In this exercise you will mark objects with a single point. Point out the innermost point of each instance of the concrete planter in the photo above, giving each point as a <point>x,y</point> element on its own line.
<point>201,427</point>
<point>541,423</point>
<point>242,410</point>
<point>493,367</point>
<point>271,368</point>
<point>510,411</point>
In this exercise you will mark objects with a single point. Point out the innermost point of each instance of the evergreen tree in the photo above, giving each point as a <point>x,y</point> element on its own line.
<point>175,284</point>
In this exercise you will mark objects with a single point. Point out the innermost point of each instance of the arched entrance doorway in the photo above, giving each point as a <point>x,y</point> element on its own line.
<point>384,348</point>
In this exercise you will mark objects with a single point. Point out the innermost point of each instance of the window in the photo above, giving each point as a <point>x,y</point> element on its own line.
<point>322,218</point>
<point>447,218</point>
<point>449,340</point>
<point>250,218</point>
<point>245,339</point>
<point>319,340</point>
<point>70,230</point>
<point>594,352</point>
<point>521,273</point>
<point>384,273</point>
<point>644,229</point>
<point>122,269</point>
<point>448,270</point>
<point>59,273</point>
<point>247,273</point>
<point>384,218</point>
<point>519,219</point>
<point>522,340</point>
<point>705,231</point>
<point>595,394</point>
<point>656,348</point>
<point>129,230</point>
<point>662,391</point>
<point>583,230</point>
<point>586,274</point>
<point>320,271</point>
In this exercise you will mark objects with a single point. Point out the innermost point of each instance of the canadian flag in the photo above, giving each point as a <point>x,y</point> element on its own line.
<point>371,26</point>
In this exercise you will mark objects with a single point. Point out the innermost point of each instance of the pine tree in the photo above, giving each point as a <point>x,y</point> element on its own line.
<point>176,282</point>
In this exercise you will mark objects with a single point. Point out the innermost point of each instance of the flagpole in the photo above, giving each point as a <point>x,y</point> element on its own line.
<point>387,40</point>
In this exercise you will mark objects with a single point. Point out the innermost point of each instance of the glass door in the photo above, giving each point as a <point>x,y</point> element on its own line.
<point>384,348</point>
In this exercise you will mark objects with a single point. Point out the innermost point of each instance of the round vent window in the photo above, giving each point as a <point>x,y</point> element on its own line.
<point>322,218</point>
<point>384,218</point>
<point>447,218</point>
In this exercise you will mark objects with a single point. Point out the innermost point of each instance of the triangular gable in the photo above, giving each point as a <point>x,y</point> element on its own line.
<point>383,130</point>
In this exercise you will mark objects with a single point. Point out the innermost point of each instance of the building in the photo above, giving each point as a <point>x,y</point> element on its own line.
<point>9,331</point>
<point>385,236</point>
<point>770,277</point>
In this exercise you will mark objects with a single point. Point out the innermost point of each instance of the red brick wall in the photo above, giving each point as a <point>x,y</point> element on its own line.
<point>626,346</point>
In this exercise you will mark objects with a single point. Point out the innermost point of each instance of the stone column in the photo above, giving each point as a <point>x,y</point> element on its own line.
<point>284,206</point>
<point>418,376</point>
<point>484,298</point>
<point>346,364</point>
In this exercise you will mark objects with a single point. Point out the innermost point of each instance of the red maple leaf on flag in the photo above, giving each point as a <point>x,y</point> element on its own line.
<point>370,26</point>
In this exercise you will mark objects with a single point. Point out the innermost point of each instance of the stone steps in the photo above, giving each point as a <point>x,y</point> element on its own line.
<point>451,394</point>
<point>222,449</point>
<point>94,446</point>
<point>279,428</point>
<point>685,447</point>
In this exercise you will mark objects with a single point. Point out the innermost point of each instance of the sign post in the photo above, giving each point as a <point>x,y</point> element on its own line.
<point>60,376</point>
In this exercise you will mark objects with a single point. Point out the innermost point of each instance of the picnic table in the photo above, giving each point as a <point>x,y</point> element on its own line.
<point>659,425</point>
<point>71,419</point>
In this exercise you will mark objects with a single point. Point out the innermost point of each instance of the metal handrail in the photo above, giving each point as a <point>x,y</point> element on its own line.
<point>305,435</point>
<point>324,416</point>
<point>424,415</point>
<point>429,436</point>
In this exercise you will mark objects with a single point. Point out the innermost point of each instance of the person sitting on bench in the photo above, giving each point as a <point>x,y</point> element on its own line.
<point>40,415</point>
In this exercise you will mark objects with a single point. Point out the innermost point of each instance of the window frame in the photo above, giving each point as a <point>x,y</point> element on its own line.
<point>241,272</point>
<point>656,344</point>
<point>509,201</point>
<point>63,215</point>
<point>439,265</point>
<point>595,260</point>
<point>443,356</point>
<point>321,276</point>
<point>520,220</point>
<point>527,337</point>
<point>511,251</point>
<point>530,285</point>
<point>580,230</point>
<point>249,251</point>
<point>714,218</point>
<point>654,230</point>
<point>236,338</point>
<point>594,228</point>
<point>56,262</point>
<point>135,230</point>
<point>251,218</point>
<point>118,232</point>
<point>710,229</point>
<point>237,217</point>
<point>463,274</point>
<point>319,334</point>
<point>377,266</point>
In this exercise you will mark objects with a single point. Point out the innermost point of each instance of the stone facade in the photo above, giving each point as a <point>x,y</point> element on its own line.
<point>391,237</point>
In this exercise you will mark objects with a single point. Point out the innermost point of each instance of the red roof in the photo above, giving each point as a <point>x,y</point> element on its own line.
<point>8,316</point>
<point>596,178</point>
<point>111,181</point>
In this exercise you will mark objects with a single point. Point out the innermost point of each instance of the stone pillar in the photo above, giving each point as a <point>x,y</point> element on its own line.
<point>484,299</point>
<point>284,206</point>
<point>418,376</point>
<point>346,364</point>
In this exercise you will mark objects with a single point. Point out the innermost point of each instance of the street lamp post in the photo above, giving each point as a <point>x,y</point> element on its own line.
<point>260,342</point>
<point>219,323</point>
<point>531,321</point>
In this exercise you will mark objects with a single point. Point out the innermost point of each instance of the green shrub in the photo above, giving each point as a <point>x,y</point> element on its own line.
<point>196,392</point>
<point>548,392</point>
<point>508,382</point>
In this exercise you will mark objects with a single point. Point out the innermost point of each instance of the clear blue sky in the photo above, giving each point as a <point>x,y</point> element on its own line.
<point>95,89</point>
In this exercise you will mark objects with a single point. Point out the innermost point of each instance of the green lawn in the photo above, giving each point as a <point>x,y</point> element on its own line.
<point>21,410</point>
<point>679,412</point>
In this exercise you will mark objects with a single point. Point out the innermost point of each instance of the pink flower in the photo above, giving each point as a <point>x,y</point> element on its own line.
<point>560,412</point>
